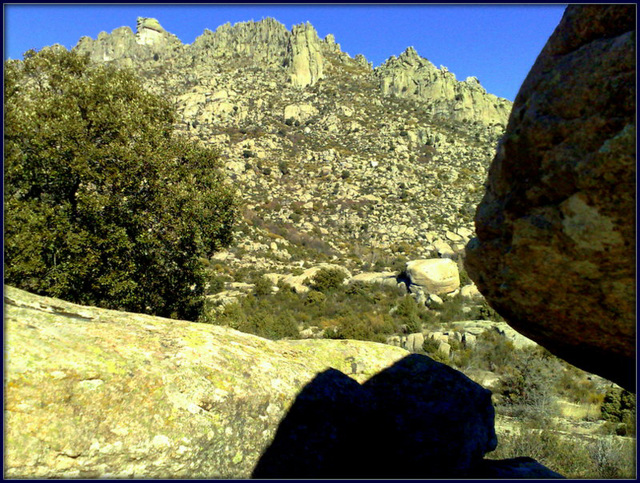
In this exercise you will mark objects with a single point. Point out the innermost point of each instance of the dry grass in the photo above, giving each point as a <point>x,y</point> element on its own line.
<point>579,412</point>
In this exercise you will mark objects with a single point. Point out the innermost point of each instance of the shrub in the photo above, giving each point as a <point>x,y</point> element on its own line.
<point>431,346</point>
<point>611,459</point>
<point>568,457</point>
<point>464,278</point>
<point>104,204</point>
<point>283,166</point>
<point>527,385</point>
<point>262,287</point>
<point>619,406</point>
<point>486,312</point>
<point>216,284</point>
<point>493,352</point>
<point>256,315</point>
<point>328,279</point>
<point>451,309</point>
<point>315,298</point>
<point>577,388</point>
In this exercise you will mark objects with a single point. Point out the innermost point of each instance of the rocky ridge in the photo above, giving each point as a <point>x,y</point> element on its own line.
<point>325,162</point>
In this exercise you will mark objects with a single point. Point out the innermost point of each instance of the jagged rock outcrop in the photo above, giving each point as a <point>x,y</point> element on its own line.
<point>555,253</point>
<point>305,54</point>
<point>96,393</point>
<point>414,77</point>
<point>150,43</point>
<point>262,43</point>
<point>356,160</point>
<point>300,57</point>
<point>266,44</point>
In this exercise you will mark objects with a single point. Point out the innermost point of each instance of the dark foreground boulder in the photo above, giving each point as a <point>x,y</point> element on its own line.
<point>555,252</point>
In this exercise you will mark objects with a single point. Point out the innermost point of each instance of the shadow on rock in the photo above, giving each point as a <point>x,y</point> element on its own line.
<point>416,419</point>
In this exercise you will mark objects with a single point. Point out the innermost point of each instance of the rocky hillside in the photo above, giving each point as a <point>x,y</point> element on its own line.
<point>358,187</point>
<point>332,157</point>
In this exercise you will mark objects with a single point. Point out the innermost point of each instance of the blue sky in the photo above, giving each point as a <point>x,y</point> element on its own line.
<point>495,43</point>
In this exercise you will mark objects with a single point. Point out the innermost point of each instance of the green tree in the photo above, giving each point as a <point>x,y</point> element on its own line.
<point>104,204</point>
<point>328,279</point>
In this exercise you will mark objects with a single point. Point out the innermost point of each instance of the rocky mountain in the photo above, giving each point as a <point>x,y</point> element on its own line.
<point>332,157</point>
<point>365,180</point>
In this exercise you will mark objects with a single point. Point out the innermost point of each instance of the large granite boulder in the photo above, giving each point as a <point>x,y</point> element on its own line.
<point>555,253</point>
<point>95,393</point>
<point>434,275</point>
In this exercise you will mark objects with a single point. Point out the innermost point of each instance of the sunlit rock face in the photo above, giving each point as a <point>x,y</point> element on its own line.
<point>555,252</point>
<point>96,393</point>
<point>100,393</point>
<point>414,77</point>
<point>149,31</point>
<point>151,42</point>
<point>305,51</point>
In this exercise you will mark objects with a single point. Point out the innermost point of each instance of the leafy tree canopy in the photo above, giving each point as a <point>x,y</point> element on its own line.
<point>104,204</point>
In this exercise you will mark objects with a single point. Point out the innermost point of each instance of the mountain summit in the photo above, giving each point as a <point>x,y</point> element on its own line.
<point>332,157</point>
<point>301,55</point>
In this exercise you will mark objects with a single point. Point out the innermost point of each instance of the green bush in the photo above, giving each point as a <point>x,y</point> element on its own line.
<point>604,458</point>
<point>464,278</point>
<point>431,346</point>
<point>256,315</point>
<point>451,309</point>
<point>262,287</point>
<point>619,406</point>
<point>361,326</point>
<point>527,385</point>
<point>315,298</point>
<point>328,279</point>
<point>284,168</point>
<point>574,385</point>
<point>486,312</point>
<point>216,284</point>
<point>568,457</point>
<point>407,312</point>
<point>104,204</point>
<point>493,352</point>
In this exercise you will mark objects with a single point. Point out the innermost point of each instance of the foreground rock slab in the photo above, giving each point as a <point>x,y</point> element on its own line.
<point>95,393</point>
<point>100,393</point>
<point>415,419</point>
<point>555,253</point>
